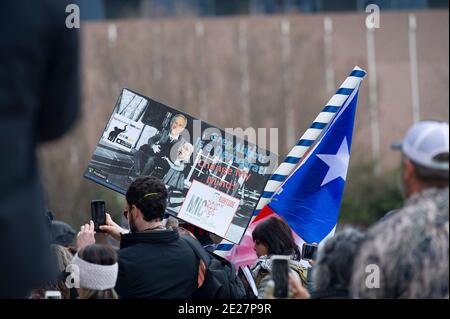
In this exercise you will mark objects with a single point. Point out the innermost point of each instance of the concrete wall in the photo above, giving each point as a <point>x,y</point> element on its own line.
<point>202,73</point>
<point>248,72</point>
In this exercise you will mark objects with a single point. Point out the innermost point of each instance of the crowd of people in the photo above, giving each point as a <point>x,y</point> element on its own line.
<point>404,255</point>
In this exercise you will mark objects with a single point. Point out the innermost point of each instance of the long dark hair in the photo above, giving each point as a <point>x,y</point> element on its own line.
<point>276,234</point>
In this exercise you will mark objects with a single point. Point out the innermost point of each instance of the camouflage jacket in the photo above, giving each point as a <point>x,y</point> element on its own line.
<point>406,255</point>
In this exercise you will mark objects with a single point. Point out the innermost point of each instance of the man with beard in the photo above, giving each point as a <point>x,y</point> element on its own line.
<point>154,262</point>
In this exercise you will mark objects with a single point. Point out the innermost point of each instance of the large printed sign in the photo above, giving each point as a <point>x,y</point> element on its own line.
<point>213,177</point>
<point>209,208</point>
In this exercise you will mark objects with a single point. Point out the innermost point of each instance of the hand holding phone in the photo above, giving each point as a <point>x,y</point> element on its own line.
<point>98,212</point>
<point>309,251</point>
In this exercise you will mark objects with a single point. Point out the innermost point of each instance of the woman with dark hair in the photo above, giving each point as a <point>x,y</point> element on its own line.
<point>98,271</point>
<point>274,237</point>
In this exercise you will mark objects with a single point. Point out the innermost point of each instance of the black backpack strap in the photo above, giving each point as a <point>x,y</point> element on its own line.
<point>198,249</point>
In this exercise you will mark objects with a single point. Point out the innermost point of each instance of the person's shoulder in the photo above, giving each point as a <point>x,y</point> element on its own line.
<point>435,197</point>
<point>184,245</point>
<point>381,237</point>
<point>426,207</point>
<point>402,226</point>
<point>125,253</point>
<point>182,254</point>
<point>418,204</point>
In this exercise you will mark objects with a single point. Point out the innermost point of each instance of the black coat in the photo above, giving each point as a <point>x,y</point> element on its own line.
<point>156,265</point>
<point>39,95</point>
<point>163,140</point>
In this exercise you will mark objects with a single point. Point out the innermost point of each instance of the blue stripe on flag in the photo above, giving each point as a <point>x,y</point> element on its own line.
<point>277,177</point>
<point>331,109</point>
<point>224,247</point>
<point>291,160</point>
<point>318,125</point>
<point>256,212</point>
<point>344,91</point>
<point>267,194</point>
<point>305,142</point>
<point>358,73</point>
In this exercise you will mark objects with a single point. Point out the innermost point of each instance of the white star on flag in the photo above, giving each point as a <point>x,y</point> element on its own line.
<point>338,163</point>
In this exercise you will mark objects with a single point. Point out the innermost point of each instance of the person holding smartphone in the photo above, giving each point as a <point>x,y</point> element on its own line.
<point>148,245</point>
<point>278,264</point>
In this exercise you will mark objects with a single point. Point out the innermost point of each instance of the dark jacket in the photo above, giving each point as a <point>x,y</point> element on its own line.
<point>156,265</point>
<point>163,140</point>
<point>39,95</point>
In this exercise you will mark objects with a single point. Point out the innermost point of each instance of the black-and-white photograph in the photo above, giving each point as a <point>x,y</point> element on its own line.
<point>147,138</point>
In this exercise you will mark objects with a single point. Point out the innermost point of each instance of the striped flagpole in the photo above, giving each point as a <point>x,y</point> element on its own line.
<point>303,145</point>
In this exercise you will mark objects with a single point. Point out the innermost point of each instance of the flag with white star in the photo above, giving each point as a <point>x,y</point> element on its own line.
<point>306,189</point>
<point>310,198</point>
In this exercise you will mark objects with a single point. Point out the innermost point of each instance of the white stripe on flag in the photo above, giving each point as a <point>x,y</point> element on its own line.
<point>285,168</point>
<point>272,186</point>
<point>351,82</point>
<point>262,202</point>
<point>324,117</point>
<point>337,100</point>
<point>311,134</point>
<point>297,151</point>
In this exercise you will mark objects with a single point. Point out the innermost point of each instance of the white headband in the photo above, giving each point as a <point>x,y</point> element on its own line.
<point>94,276</point>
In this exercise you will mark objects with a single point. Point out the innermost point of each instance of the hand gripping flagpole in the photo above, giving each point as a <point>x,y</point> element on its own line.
<point>303,145</point>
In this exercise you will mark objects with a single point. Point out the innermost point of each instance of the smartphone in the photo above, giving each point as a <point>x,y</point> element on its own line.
<point>98,212</point>
<point>280,275</point>
<point>53,294</point>
<point>309,251</point>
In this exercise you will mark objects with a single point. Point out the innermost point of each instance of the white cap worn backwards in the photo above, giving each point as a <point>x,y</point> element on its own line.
<point>424,141</point>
